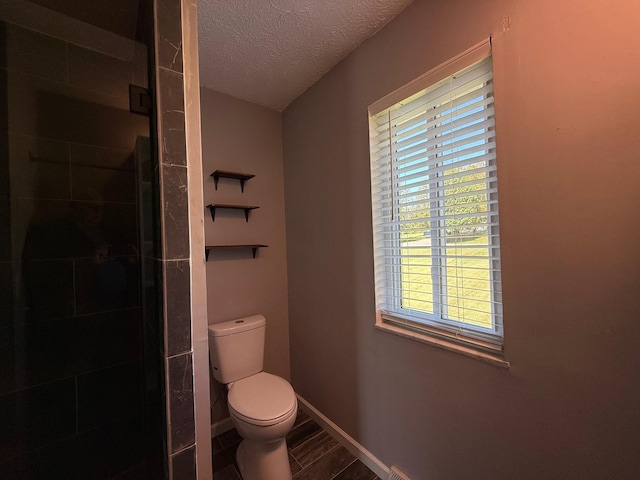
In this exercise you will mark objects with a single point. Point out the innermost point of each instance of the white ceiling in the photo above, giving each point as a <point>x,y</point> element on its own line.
<point>270,51</point>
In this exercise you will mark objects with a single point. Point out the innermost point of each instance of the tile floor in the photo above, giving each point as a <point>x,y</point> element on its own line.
<point>313,455</point>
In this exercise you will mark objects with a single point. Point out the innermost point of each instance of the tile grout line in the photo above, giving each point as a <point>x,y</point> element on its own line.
<point>346,466</point>
<point>308,467</point>
<point>298,447</point>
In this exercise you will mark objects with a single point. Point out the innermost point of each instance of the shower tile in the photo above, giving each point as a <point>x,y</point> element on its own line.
<point>108,339</point>
<point>95,71</point>
<point>174,150</point>
<point>136,473</point>
<point>6,291</point>
<point>142,128</point>
<point>171,104</point>
<point>183,465</point>
<point>140,66</point>
<point>39,167</point>
<point>62,347</point>
<point>4,117</point>
<point>170,36</point>
<point>7,360</point>
<point>157,309</point>
<point>49,351</point>
<point>49,288</point>
<point>101,157</point>
<point>109,394</point>
<point>33,53</point>
<point>110,449</point>
<point>175,212</point>
<point>4,157</point>
<point>5,233</point>
<point>104,285</point>
<point>109,185</point>
<point>178,307</point>
<point>36,416</point>
<point>102,174</point>
<point>171,91</point>
<point>64,116</point>
<point>179,390</point>
<point>46,224</point>
<point>53,461</point>
<point>46,109</point>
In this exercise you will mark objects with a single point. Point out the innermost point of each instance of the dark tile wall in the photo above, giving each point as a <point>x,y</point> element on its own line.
<point>174,217</point>
<point>71,370</point>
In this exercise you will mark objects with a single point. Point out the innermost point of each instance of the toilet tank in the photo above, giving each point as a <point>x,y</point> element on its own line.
<point>236,348</point>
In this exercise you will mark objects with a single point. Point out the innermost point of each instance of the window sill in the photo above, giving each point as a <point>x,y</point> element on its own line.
<point>443,344</point>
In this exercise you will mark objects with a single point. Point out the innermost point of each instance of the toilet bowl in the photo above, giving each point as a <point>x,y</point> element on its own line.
<point>262,406</point>
<point>263,409</point>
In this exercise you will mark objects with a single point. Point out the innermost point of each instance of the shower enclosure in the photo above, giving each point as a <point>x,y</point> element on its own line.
<point>80,378</point>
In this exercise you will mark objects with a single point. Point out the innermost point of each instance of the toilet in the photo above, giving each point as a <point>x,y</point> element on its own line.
<point>262,406</point>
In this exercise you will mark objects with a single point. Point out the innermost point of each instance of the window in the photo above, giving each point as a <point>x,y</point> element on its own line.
<point>435,205</point>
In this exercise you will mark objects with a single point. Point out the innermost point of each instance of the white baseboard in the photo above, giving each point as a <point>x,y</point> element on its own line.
<point>361,453</point>
<point>221,426</point>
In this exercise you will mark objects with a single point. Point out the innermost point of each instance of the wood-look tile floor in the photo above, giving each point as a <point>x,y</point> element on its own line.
<point>313,455</point>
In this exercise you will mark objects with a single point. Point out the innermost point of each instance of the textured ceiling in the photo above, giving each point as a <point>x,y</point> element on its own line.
<point>270,51</point>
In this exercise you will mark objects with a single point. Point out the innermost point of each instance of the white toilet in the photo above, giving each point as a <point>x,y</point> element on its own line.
<point>262,406</point>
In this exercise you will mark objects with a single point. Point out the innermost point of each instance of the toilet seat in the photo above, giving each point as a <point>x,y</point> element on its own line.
<point>262,399</point>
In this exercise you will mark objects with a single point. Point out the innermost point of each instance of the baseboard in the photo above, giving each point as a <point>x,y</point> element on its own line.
<point>361,453</point>
<point>221,426</point>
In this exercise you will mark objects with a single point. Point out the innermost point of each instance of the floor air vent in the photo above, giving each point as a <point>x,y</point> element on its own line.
<point>395,474</point>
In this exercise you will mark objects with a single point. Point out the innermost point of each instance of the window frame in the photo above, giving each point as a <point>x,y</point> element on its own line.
<point>423,326</point>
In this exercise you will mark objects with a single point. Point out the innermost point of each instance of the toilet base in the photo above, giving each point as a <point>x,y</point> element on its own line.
<point>263,461</point>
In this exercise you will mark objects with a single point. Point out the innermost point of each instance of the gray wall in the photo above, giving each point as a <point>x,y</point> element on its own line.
<point>243,137</point>
<point>566,89</point>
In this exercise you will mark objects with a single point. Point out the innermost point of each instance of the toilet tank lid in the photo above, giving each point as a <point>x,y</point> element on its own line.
<point>232,327</point>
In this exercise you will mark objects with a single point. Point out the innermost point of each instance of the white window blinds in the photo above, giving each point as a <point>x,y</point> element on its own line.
<point>435,209</point>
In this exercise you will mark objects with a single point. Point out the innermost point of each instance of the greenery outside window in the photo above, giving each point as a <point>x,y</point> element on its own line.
<point>435,205</point>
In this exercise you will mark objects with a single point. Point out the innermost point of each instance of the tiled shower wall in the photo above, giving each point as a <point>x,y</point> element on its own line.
<point>71,390</point>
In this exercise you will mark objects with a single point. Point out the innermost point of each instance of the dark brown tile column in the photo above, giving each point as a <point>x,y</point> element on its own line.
<point>181,213</point>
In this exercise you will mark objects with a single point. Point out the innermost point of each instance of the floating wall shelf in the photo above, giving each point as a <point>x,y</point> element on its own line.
<point>243,177</point>
<point>254,248</point>
<point>246,208</point>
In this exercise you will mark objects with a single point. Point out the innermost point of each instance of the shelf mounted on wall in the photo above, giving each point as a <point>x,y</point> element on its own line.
<point>254,248</point>
<point>246,208</point>
<point>243,177</point>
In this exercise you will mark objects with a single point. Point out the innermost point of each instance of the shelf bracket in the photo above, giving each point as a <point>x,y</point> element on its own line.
<point>254,248</point>
<point>241,177</point>
<point>245,208</point>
